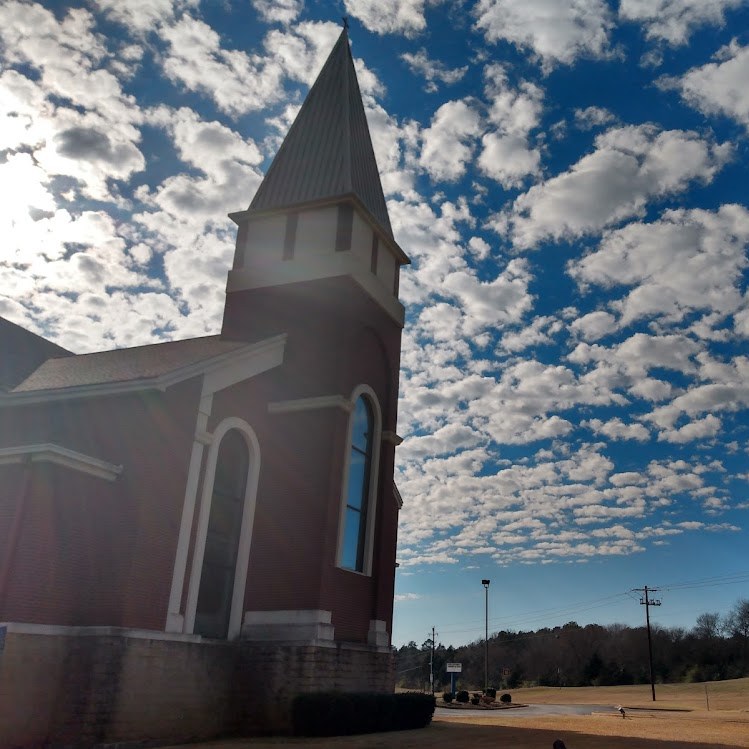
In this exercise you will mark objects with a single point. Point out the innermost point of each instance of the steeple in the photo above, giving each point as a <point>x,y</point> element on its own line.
<point>328,152</point>
<point>320,213</point>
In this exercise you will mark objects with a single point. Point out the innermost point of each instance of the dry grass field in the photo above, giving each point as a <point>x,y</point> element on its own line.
<point>677,719</point>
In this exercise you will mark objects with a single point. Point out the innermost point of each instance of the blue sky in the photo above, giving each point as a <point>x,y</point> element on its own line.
<point>569,179</point>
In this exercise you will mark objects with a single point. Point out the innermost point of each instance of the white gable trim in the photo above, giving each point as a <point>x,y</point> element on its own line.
<point>397,495</point>
<point>220,372</point>
<point>48,452</point>
<point>311,404</point>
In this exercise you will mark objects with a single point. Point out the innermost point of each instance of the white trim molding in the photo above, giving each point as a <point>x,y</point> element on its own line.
<point>398,497</point>
<point>311,404</point>
<point>300,625</point>
<point>48,452</point>
<point>374,472</point>
<point>245,533</point>
<point>378,634</point>
<point>392,438</point>
<point>59,630</point>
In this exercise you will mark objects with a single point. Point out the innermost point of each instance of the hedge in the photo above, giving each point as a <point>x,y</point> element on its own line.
<point>346,713</point>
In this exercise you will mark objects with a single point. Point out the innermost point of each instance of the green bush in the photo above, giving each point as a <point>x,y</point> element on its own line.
<point>491,692</point>
<point>462,696</point>
<point>342,714</point>
<point>475,699</point>
<point>506,698</point>
<point>447,697</point>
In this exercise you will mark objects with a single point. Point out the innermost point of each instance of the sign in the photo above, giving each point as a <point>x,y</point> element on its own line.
<point>505,672</point>
<point>454,668</point>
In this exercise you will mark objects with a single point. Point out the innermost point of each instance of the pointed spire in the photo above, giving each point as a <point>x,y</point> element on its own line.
<point>328,151</point>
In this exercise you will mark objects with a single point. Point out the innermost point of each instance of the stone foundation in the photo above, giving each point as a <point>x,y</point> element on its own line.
<point>79,687</point>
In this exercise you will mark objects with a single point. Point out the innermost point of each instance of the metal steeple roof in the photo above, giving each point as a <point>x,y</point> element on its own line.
<point>328,150</point>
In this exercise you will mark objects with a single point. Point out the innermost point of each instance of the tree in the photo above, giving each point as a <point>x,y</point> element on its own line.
<point>737,624</point>
<point>707,627</point>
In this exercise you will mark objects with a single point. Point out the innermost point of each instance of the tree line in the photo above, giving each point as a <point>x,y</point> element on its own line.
<point>716,648</point>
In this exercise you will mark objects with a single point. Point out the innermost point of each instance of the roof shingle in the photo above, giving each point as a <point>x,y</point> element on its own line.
<point>328,151</point>
<point>123,365</point>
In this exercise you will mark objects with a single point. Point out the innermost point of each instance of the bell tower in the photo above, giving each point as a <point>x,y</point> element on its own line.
<point>320,212</point>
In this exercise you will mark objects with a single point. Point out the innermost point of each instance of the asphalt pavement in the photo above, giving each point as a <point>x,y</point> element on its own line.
<point>529,711</point>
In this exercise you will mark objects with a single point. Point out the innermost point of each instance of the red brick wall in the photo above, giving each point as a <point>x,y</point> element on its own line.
<point>92,551</point>
<point>338,338</point>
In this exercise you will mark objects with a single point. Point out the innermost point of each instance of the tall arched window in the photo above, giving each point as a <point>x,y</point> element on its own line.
<point>358,489</point>
<point>222,538</point>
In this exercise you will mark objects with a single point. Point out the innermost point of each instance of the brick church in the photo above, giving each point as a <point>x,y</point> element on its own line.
<point>192,532</point>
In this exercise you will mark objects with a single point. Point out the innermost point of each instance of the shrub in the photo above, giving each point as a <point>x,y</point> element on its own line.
<point>475,699</point>
<point>341,714</point>
<point>491,692</point>
<point>447,697</point>
<point>462,696</point>
<point>506,698</point>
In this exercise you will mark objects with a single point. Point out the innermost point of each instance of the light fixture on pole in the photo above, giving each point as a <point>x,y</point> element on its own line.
<point>485,583</point>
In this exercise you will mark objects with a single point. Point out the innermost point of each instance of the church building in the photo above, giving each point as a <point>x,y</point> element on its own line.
<point>192,532</point>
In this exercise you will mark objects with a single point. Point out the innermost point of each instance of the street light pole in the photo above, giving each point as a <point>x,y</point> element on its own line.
<point>485,583</point>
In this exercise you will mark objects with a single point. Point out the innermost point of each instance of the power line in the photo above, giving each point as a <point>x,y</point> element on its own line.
<point>709,582</point>
<point>540,614</point>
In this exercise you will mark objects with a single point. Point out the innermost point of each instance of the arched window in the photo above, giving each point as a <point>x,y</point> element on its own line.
<point>358,488</point>
<point>222,537</point>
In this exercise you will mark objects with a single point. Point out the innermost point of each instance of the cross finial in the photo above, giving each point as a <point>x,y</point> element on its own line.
<point>345,22</point>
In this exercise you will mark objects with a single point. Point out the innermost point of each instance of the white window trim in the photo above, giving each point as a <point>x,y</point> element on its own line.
<point>374,473</point>
<point>49,452</point>
<point>245,533</point>
<point>262,357</point>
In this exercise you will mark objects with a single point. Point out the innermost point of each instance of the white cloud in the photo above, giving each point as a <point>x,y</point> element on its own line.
<point>143,15</point>
<point>616,429</point>
<point>389,16</point>
<point>75,117</point>
<point>432,70</point>
<point>689,260</point>
<point>629,167</point>
<point>196,59</point>
<point>694,430</point>
<point>641,352</point>
<point>278,11</point>
<point>302,51</point>
<point>591,117</point>
<point>448,141</point>
<point>508,159</point>
<point>556,31</point>
<point>674,21</point>
<point>719,87</point>
<point>594,325</point>
<point>515,110</point>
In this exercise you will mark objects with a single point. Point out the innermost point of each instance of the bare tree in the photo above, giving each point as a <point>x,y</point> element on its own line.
<point>737,624</point>
<point>708,626</point>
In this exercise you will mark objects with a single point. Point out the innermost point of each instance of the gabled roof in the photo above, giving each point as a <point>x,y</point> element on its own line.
<point>123,365</point>
<point>221,362</point>
<point>21,352</point>
<point>328,151</point>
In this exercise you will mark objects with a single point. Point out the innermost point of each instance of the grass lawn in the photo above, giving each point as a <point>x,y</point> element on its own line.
<point>725,725</point>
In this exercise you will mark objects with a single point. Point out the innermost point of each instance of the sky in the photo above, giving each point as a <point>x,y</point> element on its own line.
<point>569,179</point>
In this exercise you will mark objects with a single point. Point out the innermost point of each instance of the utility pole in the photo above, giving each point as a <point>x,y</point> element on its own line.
<point>647,603</point>
<point>431,664</point>
<point>485,583</point>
